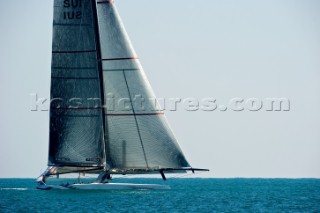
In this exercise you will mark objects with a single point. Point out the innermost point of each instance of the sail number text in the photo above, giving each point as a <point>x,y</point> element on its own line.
<point>76,5</point>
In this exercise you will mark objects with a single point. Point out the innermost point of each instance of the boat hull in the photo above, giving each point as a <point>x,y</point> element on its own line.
<point>106,186</point>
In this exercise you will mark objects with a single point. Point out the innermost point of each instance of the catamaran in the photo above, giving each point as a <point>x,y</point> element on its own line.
<point>96,125</point>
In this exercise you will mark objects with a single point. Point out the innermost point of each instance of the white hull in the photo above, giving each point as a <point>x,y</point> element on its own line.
<point>106,186</point>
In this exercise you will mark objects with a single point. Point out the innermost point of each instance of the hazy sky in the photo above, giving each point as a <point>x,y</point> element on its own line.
<point>219,49</point>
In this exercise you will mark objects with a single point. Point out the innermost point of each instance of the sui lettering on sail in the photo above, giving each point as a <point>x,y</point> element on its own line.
<point>74,4</point>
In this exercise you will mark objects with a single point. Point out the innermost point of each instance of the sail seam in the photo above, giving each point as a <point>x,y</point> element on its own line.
<point>99,108</point>
<point>79,116</point>
<point>93,108</point>
<point>119,70</point>
<point>135,118</point>
<point>73,78</point>
<point>119,59</point>
<point>74,68</point>
<point>73,25</point>
<point>144,114</point>
<point>74,51</point>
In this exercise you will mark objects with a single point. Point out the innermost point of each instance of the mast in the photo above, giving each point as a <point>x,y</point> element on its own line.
<point>103,104</point>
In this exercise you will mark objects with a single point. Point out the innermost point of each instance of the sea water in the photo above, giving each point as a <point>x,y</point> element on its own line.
<point>186,195</point>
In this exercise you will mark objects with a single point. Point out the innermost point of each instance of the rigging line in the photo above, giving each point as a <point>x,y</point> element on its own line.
<point>135,118</point>
<point>100,73</point>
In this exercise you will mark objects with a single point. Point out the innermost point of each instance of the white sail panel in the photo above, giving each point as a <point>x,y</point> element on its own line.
<point>120,64</point>
<point>160,145</point>
<point>144,100</point>
<point>115,42</point>
<point>137,138</point>
<point>116,93</point>
<point>125,147</point>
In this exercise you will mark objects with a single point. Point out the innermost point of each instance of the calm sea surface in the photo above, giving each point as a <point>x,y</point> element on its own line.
<point>186,195</point>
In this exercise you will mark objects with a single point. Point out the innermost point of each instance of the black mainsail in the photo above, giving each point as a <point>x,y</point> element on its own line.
<point>103,114</point>
<point>76,131</point>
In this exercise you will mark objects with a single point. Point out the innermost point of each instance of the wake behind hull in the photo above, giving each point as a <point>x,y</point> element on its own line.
<point>106,186</point>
